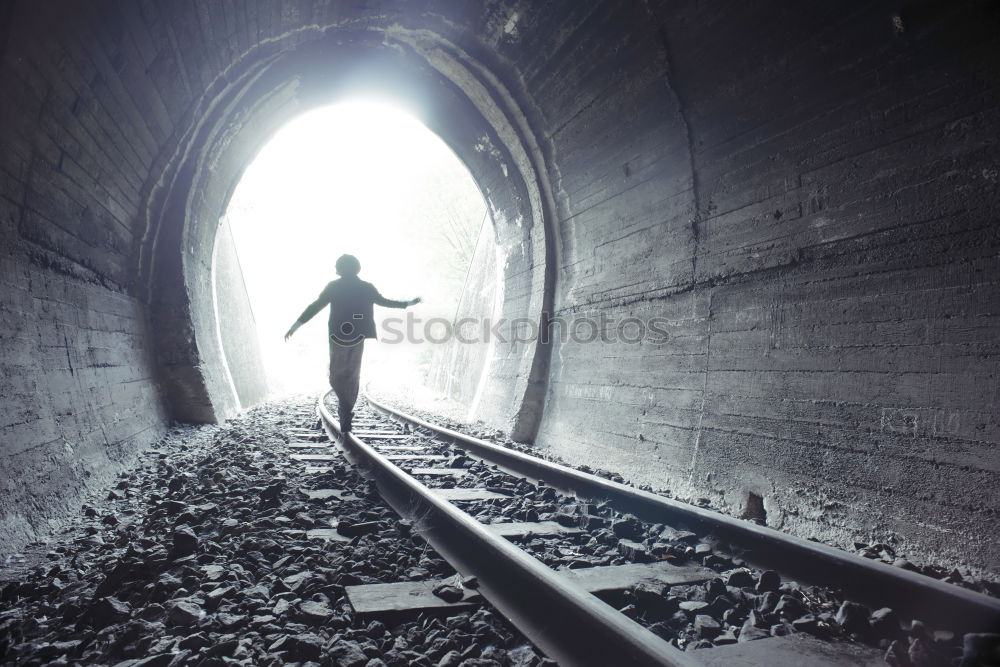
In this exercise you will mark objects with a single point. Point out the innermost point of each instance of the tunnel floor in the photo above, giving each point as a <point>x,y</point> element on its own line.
<point>218,548</point>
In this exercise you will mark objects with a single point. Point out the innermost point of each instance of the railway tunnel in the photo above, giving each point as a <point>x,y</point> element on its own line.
<point>800,201</point>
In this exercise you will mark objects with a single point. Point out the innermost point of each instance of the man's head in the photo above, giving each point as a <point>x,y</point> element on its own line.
<point>348,265</point>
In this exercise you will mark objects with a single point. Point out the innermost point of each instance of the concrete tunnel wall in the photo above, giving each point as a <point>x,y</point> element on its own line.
<point>807,194</point>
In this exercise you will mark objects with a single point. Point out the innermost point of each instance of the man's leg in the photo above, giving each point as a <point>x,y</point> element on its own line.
<point>345,378</point>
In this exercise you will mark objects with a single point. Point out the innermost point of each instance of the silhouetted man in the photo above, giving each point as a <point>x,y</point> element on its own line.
<point>351,321</point>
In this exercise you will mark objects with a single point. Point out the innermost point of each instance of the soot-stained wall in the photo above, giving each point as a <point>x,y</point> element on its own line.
<point>808,195</point>
<point>78,389</point>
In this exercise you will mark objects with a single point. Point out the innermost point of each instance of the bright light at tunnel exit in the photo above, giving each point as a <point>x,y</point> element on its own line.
<point>360,177</point>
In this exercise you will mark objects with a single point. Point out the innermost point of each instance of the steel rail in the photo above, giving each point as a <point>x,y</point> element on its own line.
<point>861,579</point>
<point>569,624</point>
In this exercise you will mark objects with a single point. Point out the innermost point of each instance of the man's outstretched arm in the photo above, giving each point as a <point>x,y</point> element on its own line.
<point>380,300</point>
<point>310,312</point>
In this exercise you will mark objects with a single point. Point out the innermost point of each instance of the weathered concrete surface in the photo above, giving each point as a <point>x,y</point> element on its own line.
<point>809,196</point>
<point>78,396</point>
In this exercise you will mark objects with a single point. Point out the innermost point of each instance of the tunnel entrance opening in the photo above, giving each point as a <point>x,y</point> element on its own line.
<point>453,94</point>
<point>362,177</point>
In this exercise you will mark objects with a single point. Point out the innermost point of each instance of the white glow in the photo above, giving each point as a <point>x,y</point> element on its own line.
<point>363,178</point>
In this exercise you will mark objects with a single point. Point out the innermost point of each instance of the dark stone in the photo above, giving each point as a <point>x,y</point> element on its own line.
<point>184,613</point>
<point>152,612</point>
<point>459,461</point>
<point>195,641</point>
<point>114,579</point>
<point>108,611</point>
<point>296,581</point>
<point>769,581</point>
<point>740,579</point>
<point>791,608</point>
<point>314,613</point>
<point>347,653</point>
<point>376,629</point>
<point>272,492</point>
<point>627,528</point>
<point>173,506</point>
<point>853,617</point>
<point>185,541</point>
<point>714,588</point>
<point>215,596</point>
<point>719,605</point>
<point>449,592</point>
<point>227,620</point>
<point>633,551</point>
<point>733,617</point>
<point>706,627</point>
<point>303,646</point>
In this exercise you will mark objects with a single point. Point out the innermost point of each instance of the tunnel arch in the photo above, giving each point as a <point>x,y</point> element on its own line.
<point>446,88</point>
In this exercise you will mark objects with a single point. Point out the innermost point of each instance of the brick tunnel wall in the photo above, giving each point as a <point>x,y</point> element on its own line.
<point>806,194</point>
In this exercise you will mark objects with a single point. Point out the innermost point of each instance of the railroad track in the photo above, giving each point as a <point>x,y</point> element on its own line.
<point>438,478</point>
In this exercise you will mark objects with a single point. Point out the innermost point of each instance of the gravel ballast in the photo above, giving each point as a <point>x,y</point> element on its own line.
<point>218,550</point>
<point>741,604</point>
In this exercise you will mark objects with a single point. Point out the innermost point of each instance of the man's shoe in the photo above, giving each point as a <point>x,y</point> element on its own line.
<point>345,425</point>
